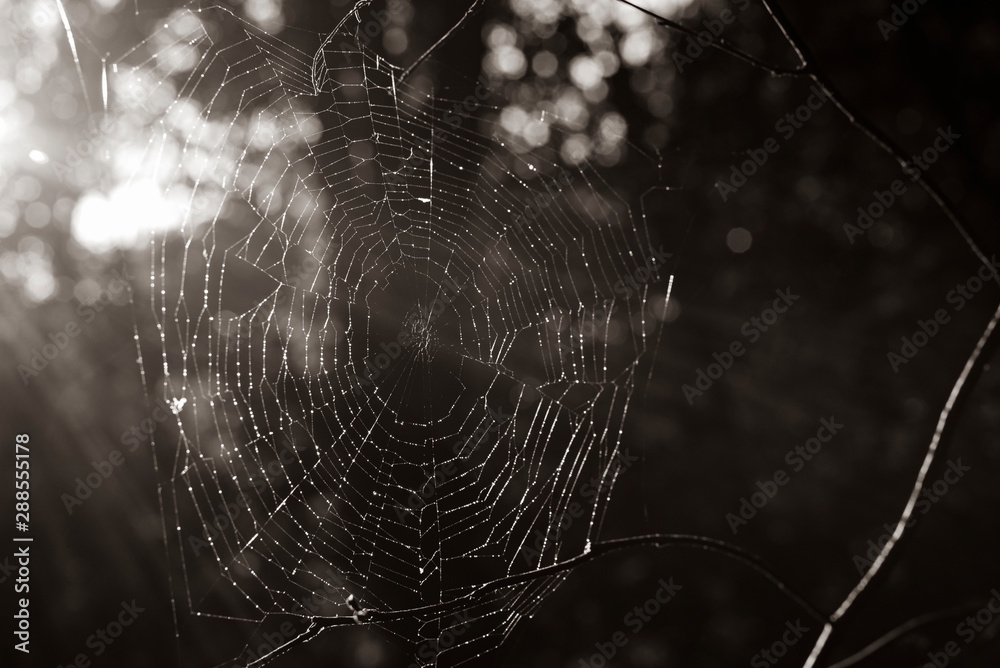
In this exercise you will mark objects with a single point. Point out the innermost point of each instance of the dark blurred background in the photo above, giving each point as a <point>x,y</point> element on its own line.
<point>662,135</point>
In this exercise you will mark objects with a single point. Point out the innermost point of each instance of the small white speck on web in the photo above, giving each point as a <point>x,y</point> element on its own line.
<point>176,405</point>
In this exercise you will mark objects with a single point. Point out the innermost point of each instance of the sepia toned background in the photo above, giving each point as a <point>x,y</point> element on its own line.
<point>663,132</point>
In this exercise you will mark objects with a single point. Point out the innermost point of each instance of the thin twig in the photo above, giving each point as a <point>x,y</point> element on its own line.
<point>880,138</point>
<point>961,387</point>
<point>597,550</point>
<point>722,45</point>
<point>475,7</point>
<point>958,390</point>
<point>898,632</point>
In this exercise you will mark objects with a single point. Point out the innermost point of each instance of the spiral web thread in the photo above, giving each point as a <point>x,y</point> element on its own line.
<point>325,469</point>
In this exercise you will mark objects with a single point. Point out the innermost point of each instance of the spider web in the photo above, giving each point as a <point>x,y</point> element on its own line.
<point>391,378</point>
